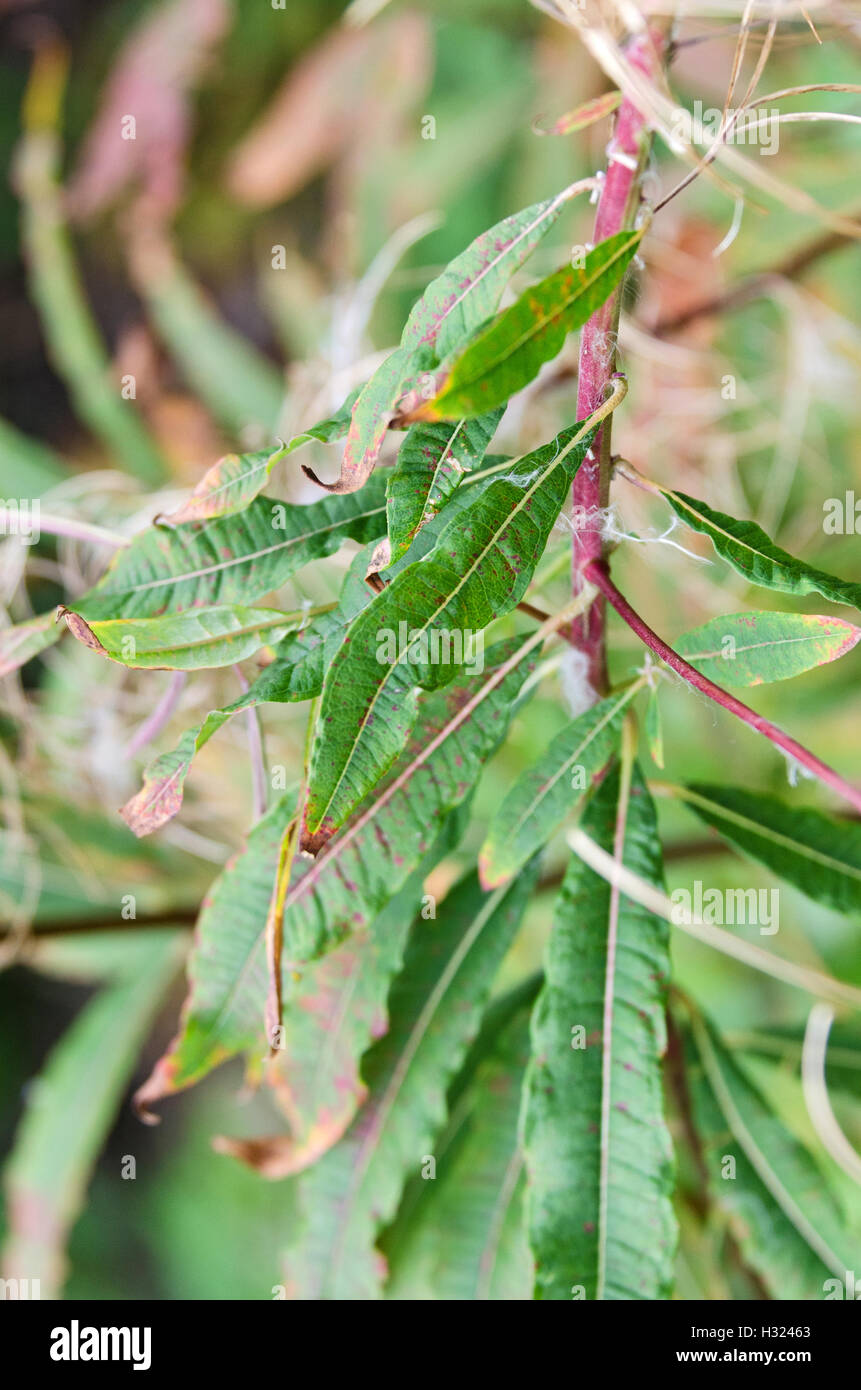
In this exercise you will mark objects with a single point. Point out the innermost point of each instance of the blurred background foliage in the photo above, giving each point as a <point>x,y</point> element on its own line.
<point>293,184</point>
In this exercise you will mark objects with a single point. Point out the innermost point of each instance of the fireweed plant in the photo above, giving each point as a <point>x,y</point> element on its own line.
<point>447,1138</point>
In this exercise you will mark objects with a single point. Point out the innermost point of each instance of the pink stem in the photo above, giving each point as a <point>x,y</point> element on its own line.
<point>617,207</point>
<point>595,572</point>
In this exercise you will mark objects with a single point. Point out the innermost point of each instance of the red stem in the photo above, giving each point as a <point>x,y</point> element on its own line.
<point>595,572</point>
<point>617,207</point>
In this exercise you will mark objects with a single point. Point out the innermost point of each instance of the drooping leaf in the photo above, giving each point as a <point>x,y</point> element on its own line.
<point>431,462</point>
<point>585,115</point>
<point>418,630</point>
<point>751,648</point>
<point>434,1010</point>
<point>469,289</point>
<point>465,1237</point>
<point>160,796</point>
<point>505,357</point>
<point>787,1223</point>
<point>336,1010</point>
<point>598,1153</point>
<point>346,886</point>
<point>548,791</point>
<point>745,546</point>
<point>373,412</point>
<point>22,641</point>
<point>200,638</point>
<point>230,559</point>
<point>232,482</point>
<point>71,1108</point>
<point>819,854</point>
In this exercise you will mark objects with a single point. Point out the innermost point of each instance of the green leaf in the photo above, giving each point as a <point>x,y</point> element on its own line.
<point>551,788</point>
<point>465,1238</point>
<point>343,890</point>
<point>22,641</point>
<point>598,1152</point>
<point>435,1009</point>
<point>231,559</point>
<point>202,638</point>
<point>745,546</point>
<point>788,1225</point>
<point>231,483</point>
<point>70,1110</point>
<point>817,853</point>
<point>431,462</point>
<point>751,648</point>
<point>469,289</point>
<point>418,629</point>
<point>506,356</point>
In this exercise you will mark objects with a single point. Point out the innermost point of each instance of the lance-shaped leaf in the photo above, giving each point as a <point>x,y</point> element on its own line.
<point>431,462</point>
<point>465,1236</point>
<point>598,1152</point>
<point>232,559</point>
<point>22,641</point>
<point>346,886</point>
<point>510,353</point>
<point>336,1010</point>
<point>421,628</point>
<point>745,546</point>
<point>787,1223</point>
<point>434,1011</point>
<point>71,1108</point>
<point>469,289</point>
<point>232,482</point>
<point>549,791</point>
<point>200,639</point>
<point>373,412</point>
<point>751,648</point>
<point>585,115</point>
<point>819,854</point>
